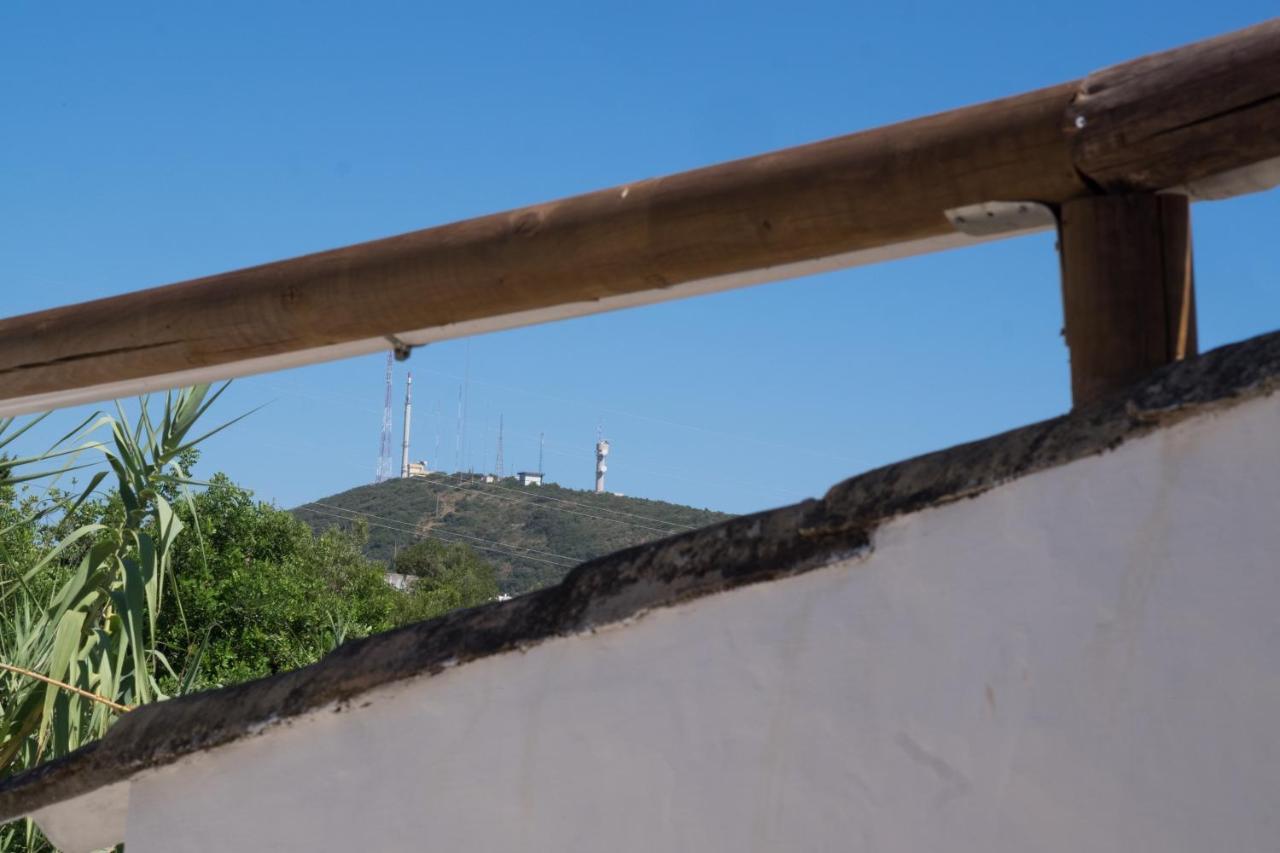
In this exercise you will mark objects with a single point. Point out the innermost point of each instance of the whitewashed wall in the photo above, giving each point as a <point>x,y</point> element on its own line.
<point>1084,659</point>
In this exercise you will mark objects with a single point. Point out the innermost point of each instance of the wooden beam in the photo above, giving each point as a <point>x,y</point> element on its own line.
<point>806,209</point>
<point>869,196</point>
<point>1128,292</point>
<point>1176,117</point>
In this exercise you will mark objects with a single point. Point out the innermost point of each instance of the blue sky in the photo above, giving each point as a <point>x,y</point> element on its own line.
<point>161,142</point>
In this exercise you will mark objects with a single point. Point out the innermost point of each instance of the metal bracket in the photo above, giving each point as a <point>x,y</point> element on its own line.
<point>1000,217</point>
<point>1247,179</point>
<point>400,348</point>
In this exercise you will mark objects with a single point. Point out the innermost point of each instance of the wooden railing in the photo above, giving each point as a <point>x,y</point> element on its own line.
<point>1089,156</point>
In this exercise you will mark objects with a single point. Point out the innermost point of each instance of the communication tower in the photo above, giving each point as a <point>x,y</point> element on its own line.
<point>602,451</point>
<point>404,445</point>
<point>384,449</point>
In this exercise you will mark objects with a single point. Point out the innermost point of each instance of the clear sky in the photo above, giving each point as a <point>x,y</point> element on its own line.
<point>146,143</point>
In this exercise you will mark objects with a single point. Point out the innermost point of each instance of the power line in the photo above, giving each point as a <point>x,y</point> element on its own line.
<point>517,497</point>
<point>595,405</point>
<point>420,537</point>
<point>501,552</point>
<point>510,549</point>
<point>327,397</point>
<point>413,528</point>
<point>652,419</point>
<point>540,497</point>
<point>579,455</point>
<point>526,499</point>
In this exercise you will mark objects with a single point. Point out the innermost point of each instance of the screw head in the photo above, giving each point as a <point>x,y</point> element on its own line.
<point>1080,121</point>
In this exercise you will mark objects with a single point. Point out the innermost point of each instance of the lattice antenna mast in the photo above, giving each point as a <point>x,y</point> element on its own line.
<point>384,450</point>
<point>497,466</point>
<point>541,443</point>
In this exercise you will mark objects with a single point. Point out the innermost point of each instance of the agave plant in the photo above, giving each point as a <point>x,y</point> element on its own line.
<point>83,652</point>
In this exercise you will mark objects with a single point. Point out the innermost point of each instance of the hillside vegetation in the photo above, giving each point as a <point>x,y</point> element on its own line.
<point>533,535</point>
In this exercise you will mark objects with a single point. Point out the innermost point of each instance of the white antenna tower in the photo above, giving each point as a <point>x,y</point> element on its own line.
<point>408,407</point>
<point>602,451</point>
<point>384,449</point>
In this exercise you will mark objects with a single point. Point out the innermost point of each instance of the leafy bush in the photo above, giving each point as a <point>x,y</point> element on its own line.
<point>262,594</point>
<point>109,600</point>
<point>80,641</point>
<point>446,577</point>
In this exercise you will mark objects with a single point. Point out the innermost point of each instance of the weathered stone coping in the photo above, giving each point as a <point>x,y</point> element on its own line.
<point>749,549</point>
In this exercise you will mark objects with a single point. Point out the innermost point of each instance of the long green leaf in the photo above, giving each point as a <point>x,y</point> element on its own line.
<point>135,617</point>
<point>65,646</point>
<point>99,628</point>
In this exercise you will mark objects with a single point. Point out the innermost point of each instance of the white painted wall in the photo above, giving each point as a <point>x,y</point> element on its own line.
<point>1085,659</point>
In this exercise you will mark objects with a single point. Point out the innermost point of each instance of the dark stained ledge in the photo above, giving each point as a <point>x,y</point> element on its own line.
<point>745,550</point>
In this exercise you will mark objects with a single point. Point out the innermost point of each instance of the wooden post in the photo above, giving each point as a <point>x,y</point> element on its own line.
<point>1127,288</point>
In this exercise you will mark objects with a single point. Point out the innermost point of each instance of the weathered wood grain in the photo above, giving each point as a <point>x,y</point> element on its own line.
<point>1179,116</point>
<point>1127,289</point>
<point>856,192</point>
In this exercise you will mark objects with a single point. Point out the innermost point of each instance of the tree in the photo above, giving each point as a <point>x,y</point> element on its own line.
<point>261,594</point>
<point>152,589</point>
<point>79,639</point>
<point>447,576</point>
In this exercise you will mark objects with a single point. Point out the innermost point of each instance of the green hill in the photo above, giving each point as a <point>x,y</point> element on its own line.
<point>532,534</point>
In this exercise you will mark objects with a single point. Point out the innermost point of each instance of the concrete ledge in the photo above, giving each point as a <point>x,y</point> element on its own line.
<point>751,549</point>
